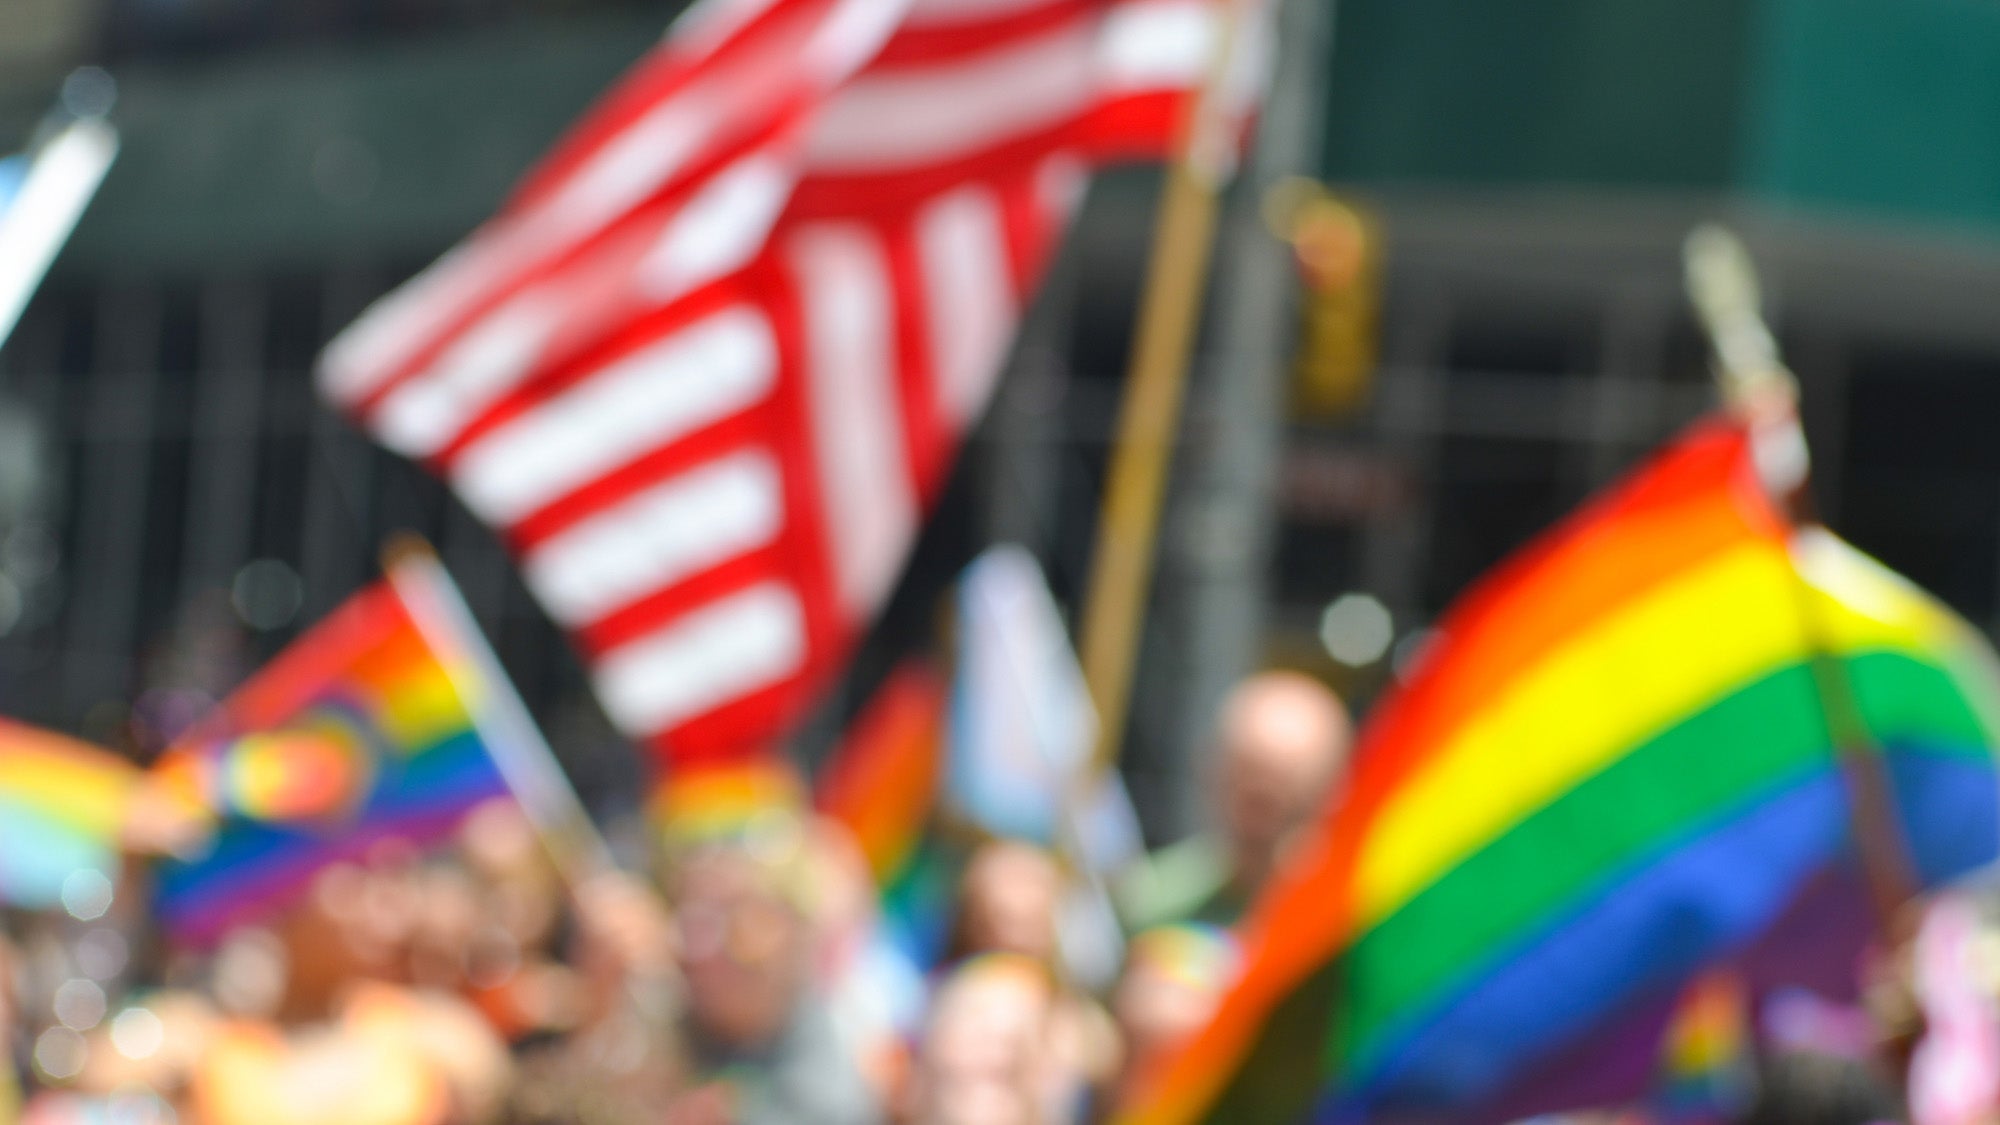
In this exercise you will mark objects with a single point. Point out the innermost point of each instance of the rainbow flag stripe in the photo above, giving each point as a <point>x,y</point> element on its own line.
<point>62,805</point>
<point>1705,1065</point>
<point>1609,770</point>
<point>883,782</point>
<point>360,731</point>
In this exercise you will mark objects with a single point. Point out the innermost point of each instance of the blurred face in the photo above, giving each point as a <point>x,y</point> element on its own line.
<point>504,855</point>
<point>743,951</point>
<point>1283,741</point>
<point>1157,1009</point>
<point>984,1060</point>
<point>355,925</point>
<point>445,928</point>
<point>1010,896</point>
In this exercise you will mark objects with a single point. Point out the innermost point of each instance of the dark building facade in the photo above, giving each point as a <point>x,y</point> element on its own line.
<point>175,506</point>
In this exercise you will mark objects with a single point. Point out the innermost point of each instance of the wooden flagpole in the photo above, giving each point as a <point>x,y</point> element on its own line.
<point>1758,389</point>
<point>1121,575</point>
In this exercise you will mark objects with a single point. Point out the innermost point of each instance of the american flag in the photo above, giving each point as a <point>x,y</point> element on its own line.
<point>707,369</point>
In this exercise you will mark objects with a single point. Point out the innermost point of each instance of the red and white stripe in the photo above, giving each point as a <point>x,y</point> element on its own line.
<point>708,369</point>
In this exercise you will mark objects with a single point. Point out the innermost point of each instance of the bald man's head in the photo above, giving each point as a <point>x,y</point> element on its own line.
<point>1281,743</point>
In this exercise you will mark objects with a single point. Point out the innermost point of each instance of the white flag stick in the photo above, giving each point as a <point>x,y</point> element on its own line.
<point>63,175</point>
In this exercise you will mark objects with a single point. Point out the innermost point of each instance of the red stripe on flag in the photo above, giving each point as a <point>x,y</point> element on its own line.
<point>939,43</point>
<point>660,465</point>
<point>928,438</point>
<point>634,335</point>
<point>664,74</point>
<point>827,629</point>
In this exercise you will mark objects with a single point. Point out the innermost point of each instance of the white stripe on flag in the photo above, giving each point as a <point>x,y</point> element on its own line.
<point>619,176</point>
<point>659,537</point>
<point>61,179</point>
<point>851,36</point>
<point>865,488</point>
<point>1060,184</point>
<point>720,229</point>
<point>963,245</point>
<point>697,376</point>
<point>909,117</point>
<point>1159,44</point>
<point>722,651</point>
<point>705,25</point>
<point>422,416</point>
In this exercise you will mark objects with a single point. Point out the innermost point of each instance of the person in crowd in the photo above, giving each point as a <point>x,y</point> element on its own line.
<point>492,932</point>
<point>345,1036</point>
<point>993,1052</point>
<point>1174,978</point>
<point>10,1022</point>
<point>1008,899</point>
<point>875,991</point>
<point>1009,906</point>
<point>762,1044</point>
<point>1809,1088</point>
<point>1280,746</point>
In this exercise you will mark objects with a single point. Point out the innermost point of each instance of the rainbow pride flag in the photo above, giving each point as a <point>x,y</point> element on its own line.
<point>883,783</point>
<point>1705,1074</point>
<point>361,731</point>
<point>62,806</point>
<point>1610,770</point>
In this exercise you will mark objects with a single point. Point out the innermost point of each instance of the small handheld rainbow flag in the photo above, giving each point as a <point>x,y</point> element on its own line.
<point>883,783</point>
<point>1704,1076</point>
<point>1611,769</point>
<point>62,806</point>
<point>367,728</point>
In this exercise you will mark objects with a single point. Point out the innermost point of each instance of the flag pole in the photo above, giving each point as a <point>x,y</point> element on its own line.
<point>526,763</point>
<point>1758,389</point>
<point>64,171</point>
<point>1121,574</point>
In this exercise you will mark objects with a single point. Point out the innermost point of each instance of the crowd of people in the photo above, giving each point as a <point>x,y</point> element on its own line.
<point>745,978</point>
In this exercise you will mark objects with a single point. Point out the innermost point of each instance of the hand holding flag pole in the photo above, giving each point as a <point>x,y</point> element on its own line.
<point>1758,388</point>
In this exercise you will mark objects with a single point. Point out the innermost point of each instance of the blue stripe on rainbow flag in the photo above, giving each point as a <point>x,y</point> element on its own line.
<point>63,806</point>
<point>255,864</point>
<point>38,853</point>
